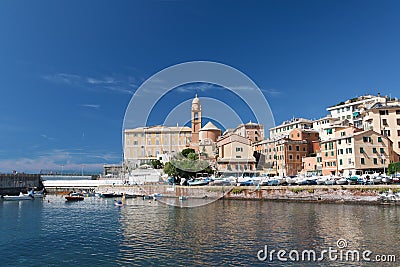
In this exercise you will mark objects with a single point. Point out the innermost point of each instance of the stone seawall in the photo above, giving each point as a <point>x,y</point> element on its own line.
<point>336,193</point>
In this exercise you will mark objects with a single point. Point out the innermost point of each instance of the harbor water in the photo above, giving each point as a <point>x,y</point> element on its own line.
<point>95,232</point>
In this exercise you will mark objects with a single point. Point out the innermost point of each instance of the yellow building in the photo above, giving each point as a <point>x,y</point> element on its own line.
<point>146,143</point>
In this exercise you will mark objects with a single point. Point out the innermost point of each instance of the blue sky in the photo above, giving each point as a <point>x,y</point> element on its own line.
<point>68,69</point>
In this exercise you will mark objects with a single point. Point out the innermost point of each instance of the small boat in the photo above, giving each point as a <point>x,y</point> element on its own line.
<point>118,203</point>
<point>74,197</point>
<point>321,180</point>
<point>330,181</point>
<point>352,180</point>
<point>128,195</point>
<point>291,180</point>
<point>21,196</point>
<point>198,182</point>
<point>110,195</point>
<point>341,181</point>
<point>183,198</point>
<point>387,180</point>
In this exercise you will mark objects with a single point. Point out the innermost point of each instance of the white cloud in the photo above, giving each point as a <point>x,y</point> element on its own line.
<point>94,106</point>
<point>272,92</point>
<point>107,83</point>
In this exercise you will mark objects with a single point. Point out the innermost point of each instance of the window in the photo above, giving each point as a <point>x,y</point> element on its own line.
<point>398,145</point>
<point>290,156</point>
<point>149,142</point>
<point>238,157</point>
<point>385,132</point>
<point>384,122</point>
<point>297,157</point>
<point>398,111</point>
<point>342,133</point>
<point>239,149</point>
<point>384,112</point>
<point>326,154</point>
<point>135,142</point>
<point>349,150</point>
<point>348,140</point>
<point>297,148</point>
<point>290,147</point>
<point>374,150</point>
<point>361,150</point>
<point>332,153</point>
<point>375,161</point>
<point>340,162</point>
<point>362,161</point>
<point>339,142</point>
<point>380,139</point>
<point>398,132</point>
<point>398,121</point>
<point>366,139</point>
<point>382,150</point>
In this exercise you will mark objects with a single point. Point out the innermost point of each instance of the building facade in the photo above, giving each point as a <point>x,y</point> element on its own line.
<point>283,130</point>
<point>235,155</point>
<point>146,143</point>
<point>351,109</point>
<point>385,119</point>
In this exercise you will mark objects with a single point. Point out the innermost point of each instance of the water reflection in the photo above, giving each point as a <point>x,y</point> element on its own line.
<point>231,232</point>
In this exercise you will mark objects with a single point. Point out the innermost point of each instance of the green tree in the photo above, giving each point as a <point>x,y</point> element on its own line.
<point>394,167</point>
<point>156,164</point>
<point>192,156</point>
<point>187,151</point>
<point>170,169</point>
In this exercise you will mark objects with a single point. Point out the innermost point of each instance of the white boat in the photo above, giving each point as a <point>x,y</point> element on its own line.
<point>291,180</point>
<point>387,179</point>
<point>21,196</point>
<point>321,180</point>
<point>341,181</point>
<point>330,181</point>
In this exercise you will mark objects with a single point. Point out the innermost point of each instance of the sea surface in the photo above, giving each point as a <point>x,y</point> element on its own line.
<point>95,232</point>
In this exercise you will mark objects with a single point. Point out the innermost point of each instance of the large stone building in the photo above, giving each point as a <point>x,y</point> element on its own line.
<point>146,143</point>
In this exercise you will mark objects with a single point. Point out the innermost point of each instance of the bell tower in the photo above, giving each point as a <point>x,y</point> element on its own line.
<point>196,119</point>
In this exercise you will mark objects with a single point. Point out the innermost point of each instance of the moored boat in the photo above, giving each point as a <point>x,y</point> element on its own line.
<point>21,196</point>
<point>74,197</point>
<point>198,182</point>
<point>110,195</point>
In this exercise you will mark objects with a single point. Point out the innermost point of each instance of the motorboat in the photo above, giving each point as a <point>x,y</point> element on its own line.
<point>195,182</point>
<point>118,203</point>
<point>74,197</point>
<point>110,195</point>
<point>341,181</point>
<point>21,196</point>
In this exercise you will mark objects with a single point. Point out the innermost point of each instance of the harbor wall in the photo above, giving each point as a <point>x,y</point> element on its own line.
<point>13,184</point>
<point>363,194</point>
